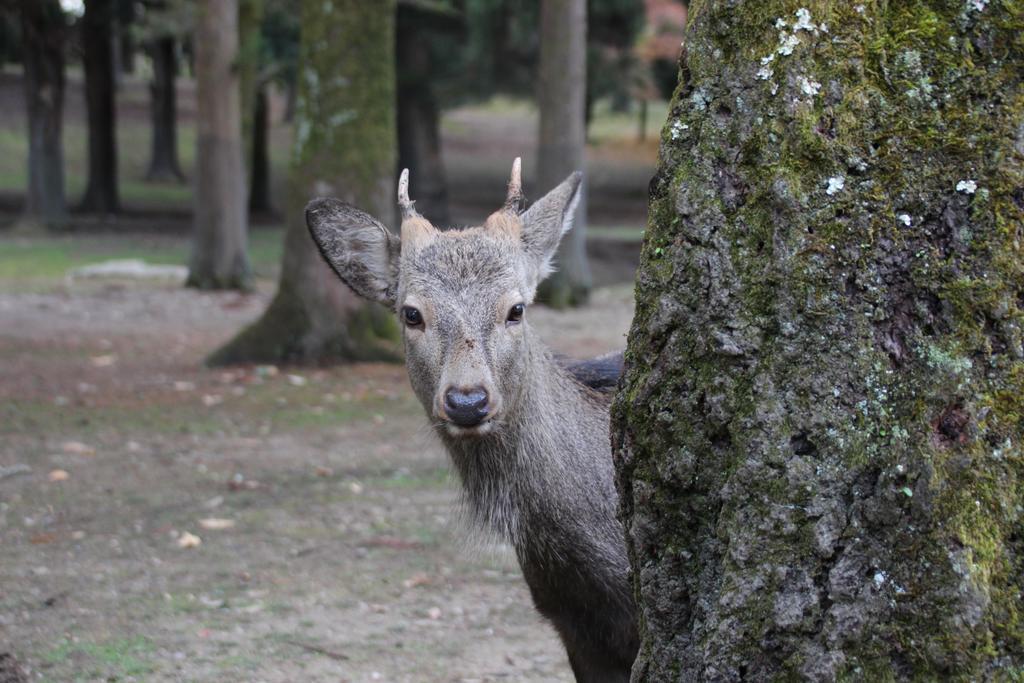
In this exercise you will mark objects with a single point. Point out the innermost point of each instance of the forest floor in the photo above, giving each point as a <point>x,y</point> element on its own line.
<point>161,521</point>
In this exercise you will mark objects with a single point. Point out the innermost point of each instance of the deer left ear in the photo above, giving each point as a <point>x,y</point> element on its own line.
<point>357,247</point>
<point>550,217</point>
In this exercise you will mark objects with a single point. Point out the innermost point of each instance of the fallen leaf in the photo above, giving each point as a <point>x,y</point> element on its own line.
<point>416,580</point>
<point>184,386</point>
<point>434,613</point>
<point>355,487</point>
<point>391,542</point>
<point>104,361</point>
<point>322,471</point>
<point>216,523</point>
<point>77,448</point>
<point>43,538</point>
<point>210,400</point>
<point>297,380</point>
<point>59,475</point>
<point>188,540</point>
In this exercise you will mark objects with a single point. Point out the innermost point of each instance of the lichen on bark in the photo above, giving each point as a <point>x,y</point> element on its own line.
<point>819,435</point>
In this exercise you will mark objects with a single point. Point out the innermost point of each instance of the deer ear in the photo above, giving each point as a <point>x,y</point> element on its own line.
<point>357,247</point>
<point>550,217</point>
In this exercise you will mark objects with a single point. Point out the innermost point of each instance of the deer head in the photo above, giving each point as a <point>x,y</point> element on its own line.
<point>461,295</point>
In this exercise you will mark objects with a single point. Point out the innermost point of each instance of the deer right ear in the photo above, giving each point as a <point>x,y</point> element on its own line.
<point>544,223</point>
<point>357,247</point>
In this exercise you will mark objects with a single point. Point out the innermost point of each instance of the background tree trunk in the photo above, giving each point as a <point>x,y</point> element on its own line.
<point>163,164</point>
<point>260,200</point>
<point>419,121</point>
<point>126,16</point>
<point>561,150</point>
<point>819,436</point>
<point>219,259</point>
<point>98,59</point>
<point>250,22</point>
<point>43,35</point>
<point>344,147</point>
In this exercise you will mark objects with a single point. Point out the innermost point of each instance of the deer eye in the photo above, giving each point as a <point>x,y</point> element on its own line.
<point>412,317</point>
<point>515,314</point>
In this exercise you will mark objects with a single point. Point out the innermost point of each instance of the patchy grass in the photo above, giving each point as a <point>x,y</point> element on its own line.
<point>33,263</point>
<point>108,659</point>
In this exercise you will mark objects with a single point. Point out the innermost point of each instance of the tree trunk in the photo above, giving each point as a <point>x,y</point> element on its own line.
<point>819,435</point>
<point>260,200</point>
<point>219,259</point>
<point>344,147</point>
<point>98,59</point>
<point>562,139</point>
<point>163,164</point>
<point>43,35</point>
<point>250,21</point>
<point>419,121</point>
<point>126,16</point>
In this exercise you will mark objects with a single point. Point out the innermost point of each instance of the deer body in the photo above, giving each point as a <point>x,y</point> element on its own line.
<point>530,442</point>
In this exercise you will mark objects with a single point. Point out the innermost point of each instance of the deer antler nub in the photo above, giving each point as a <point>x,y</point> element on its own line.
<point>404,203</point>
<point>514,199</point>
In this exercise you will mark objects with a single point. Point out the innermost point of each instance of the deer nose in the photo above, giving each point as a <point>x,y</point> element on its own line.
<point>466,407</point>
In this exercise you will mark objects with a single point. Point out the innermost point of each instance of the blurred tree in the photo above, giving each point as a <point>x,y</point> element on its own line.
<point>219,258</point>
<point>561,95</point>
<point>820,433</point>
<point>163,163</point>
<point>101,194</point>
<point>162,26</point>
<point>43,35</point>
<point>124,38</point>
<point>345,147</point>
<point>420,26</point>
<point>250,64</point>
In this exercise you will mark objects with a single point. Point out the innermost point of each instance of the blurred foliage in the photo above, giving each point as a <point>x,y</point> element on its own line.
<point>502,48</point>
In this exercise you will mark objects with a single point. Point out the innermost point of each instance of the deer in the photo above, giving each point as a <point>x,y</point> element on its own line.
<point>526,431</point>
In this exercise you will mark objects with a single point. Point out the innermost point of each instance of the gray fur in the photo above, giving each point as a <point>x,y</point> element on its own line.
<point>539,470</point>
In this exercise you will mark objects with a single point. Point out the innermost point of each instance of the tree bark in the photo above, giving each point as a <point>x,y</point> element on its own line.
<point>260,200</point>
<point>819,435</point>
<point>101,195</point>
<point>43,35</point>
<point>344,147</point>
<point>561,150</point>
<point>163,164</point>
<point>419,121</point>
<point>219,258</point>
<point>250,21</point>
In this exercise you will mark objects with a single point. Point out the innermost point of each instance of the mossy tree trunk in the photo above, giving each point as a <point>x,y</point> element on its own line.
<point>43,36</point>
<point>220,220</point>
<point>344,147</point>
<point>561,95</point>
<point>819,436</point>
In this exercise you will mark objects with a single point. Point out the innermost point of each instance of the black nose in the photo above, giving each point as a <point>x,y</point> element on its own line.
<point>466,407</point>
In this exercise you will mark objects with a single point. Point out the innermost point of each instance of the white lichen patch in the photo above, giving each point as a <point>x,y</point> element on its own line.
<point>859,9</point>
<point>808,87</point>
<point>676,131</point>
<point>803,21</point>
<point>904,218</point>
<point>787,43</point>
<point>977,5</point>
<point>879,579</point>
<point>835,184</point>
<point>967,186</point>
<point>765,72</point>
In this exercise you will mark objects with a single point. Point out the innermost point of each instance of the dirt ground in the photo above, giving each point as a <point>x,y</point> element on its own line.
<point>328,539</point>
